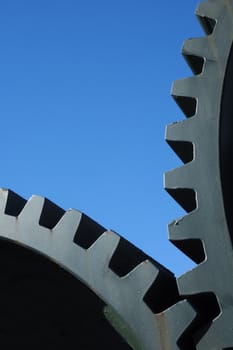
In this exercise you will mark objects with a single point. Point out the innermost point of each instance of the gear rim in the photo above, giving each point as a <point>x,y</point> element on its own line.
<point>200,98</point>
<point>41,226</point>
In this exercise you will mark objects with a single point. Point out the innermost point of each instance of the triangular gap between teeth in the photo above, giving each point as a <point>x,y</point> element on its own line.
<point>88,232</point>
<point>187,104</point>
<point>14,204</point>
<point>183,149</point>
<point>208,24</point>
<point>193,248</point>
<point>163,293</point>
<point>126,257</point>
<point>186,197</point>
<point>50,215</point>
<point>196,63</point>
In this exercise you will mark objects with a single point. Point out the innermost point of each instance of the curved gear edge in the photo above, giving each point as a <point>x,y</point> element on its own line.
<point>203,234</point>
<point>43,227</point>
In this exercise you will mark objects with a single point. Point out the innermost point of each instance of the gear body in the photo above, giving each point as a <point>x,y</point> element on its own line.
<point>201,186</point>
<point>135,290</point>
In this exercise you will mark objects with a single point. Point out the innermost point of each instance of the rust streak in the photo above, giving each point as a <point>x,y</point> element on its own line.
<point>163,331</point>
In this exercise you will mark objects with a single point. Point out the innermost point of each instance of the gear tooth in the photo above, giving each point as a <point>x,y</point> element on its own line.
<point>178,183</point>
<point>3,199</point>
<point>219,335</point>
<point>186,227</point>
<point>185,235</point>
<point>197,48</point>
<point>32,209</point>
<point>181,131</point>
<point>210,9</point>
<point>210,341</point>
<point>191,282</point>
<point>180,177</point>
<point>142,277</point>
<point>10,202</point>
<point>109,240</point>
<point>187,87</point>
<point>67,226</point>
<point>185,93</point>
<point>177,136</point>
<point>194,54</point>
<point>182,315</point>
<point>207,13</point>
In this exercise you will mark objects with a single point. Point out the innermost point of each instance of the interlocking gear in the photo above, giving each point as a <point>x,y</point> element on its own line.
<point>135,289</point>
<point>203,186</point>
<point>66,265</point>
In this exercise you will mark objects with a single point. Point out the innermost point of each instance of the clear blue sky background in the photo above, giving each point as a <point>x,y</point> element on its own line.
<point>84,100</point>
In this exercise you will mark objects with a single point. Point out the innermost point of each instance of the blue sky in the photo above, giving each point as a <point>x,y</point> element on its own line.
<point>84,100</point>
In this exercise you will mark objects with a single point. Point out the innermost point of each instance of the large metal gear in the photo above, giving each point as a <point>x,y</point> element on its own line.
<point>131,289</point>
<point>203,186</point>
<point>66,279</point>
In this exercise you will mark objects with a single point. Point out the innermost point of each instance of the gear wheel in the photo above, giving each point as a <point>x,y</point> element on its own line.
<point>203,186</point>
<point>134,289</point>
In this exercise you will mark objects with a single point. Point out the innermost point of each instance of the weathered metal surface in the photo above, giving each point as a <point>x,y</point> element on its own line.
<point>136,295</point>
<point>203,185</point>
<point>135,290</point>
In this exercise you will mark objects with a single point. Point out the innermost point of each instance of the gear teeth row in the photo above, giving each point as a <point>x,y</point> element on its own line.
<point>203,234</point>
<point>138,289</point>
